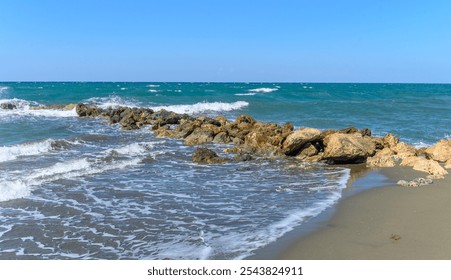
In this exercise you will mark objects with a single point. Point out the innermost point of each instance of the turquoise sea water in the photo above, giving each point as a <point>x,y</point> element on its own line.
<point>81,189</point>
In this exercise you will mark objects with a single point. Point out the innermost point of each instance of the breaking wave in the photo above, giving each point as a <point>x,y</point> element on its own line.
<point>204,107</point>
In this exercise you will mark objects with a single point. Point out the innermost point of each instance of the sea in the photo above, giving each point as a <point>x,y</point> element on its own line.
<point>79,188</point>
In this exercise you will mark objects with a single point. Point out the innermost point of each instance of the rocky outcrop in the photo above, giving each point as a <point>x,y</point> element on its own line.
<point>250,137</point>
<point>382,158</point>
<point>348,148</point>
<point>204,155</point>
<point>8,106</point>
<point>425,165</point>
<point>296,141</point>
<point>440,152</point>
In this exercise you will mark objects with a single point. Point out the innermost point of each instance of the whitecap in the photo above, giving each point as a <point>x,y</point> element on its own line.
<point>203,107</point>
<point>153,86</point>
<point>246,94</point>
<point>28,108</point>
<point>8,153</point>
<point>152,90</point>
<point>112,101</point>
<point>132,149</point>
<point>263,90</point>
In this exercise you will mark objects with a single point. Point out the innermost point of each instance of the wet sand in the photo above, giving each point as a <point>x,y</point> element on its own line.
<point>383,223</point>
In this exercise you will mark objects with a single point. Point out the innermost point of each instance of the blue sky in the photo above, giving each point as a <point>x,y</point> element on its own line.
<point>226,40</point>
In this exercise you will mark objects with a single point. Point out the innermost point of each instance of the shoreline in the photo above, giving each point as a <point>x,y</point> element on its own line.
<point>384,222</point>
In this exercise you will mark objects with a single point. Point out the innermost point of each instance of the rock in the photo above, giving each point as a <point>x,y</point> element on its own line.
<point>440,152</point>
<point>415,182</point>
<point>349,130</point>
<point>8,106</point>
<point>365,132</point>
<point>348,148</point>
<point>308,150</point>
<point>69,107</point>
<point>204,155</point>
<point>84,110</point>
<point>425,165</point>
<point>448,164</point>
<point>402,150</point>
<point>243,157</point>
<point>266,138</point>
<point>222,137</point>
<point>294,142</point>
<point>382,158</point>
<point>390,140</point>
<point>200,135</point>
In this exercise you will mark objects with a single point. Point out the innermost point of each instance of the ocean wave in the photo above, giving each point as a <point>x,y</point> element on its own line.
<point>27,149</point>
<point>19,188</point>
<point>263,90</point>
<point>3,89</point>
<point>203,107</point>
<point>133,149</point>
<point>112,101</point>
<point>246,94</point>
<point>153,90</point>
<point>153,86</point>
<point>28,108</point>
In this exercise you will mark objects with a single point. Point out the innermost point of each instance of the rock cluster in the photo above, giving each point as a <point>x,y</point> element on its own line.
<point>415,182</point>
<point>250,137</point>
<point>8,106</point>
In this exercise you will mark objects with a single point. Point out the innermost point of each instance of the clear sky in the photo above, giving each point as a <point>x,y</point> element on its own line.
<point>226,40</point>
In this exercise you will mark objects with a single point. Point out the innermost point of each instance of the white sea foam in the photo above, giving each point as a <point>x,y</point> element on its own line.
<point>19,188</point>
<point>13,189</point>
<point>152,90</point>
<point>112,101</point>
<point>448,136</point>
<point>3,89</point>
<point>203,107</point>
<point>420,144</point>
<point>246,94</point>
<point>132,149</point>
<point>153,86</point>
<point>263,90</point>
<point>26,108</point>
<point>8,153</point>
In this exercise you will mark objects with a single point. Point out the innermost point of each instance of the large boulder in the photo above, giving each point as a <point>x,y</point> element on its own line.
<point>203,134</point>
<point>402,150</point>
<point>441,151</point>
<point>84,110</point>
<point>347,148</point>
<point>425,165</point>
<point>294,143</point>
<point>204,155</point>
<point>382,158</point>
<point>267,138</point>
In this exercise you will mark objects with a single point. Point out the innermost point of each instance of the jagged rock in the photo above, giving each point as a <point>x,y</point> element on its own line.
<point>84,110</point>
<point>266,138</point>
<point>349,130</point>
<point>204,155</point>
<point>308,150</point>
<point>425,165</point>
<point>382,158</point>
<point>390,140</point>
<point>222,137</point>
<point>347,148</point>
<point>294,142</point>
<point>365,132</point>
<point>448,164</point>
<point>243,157</point>
<point>440,152</point>
<point>8,106</point>
<point>415,182</point>
<point>402,150</point>
<point>222,120</point>
<point>199,136</point>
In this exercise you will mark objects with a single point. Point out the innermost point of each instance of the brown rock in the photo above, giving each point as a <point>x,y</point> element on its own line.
<point>448,164</point>
<point>308,150</point>
<point>204,155</point>
<point>382,158</point>
<point>390,140</point>
<point>348,148</point>
<point>402,150</point>
<point>440,152</point>
<point>266,138</point>
<point>425,165</point>
<point>294,142</point>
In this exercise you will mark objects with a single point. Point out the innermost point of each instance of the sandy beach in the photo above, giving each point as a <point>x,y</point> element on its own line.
<point>384,223</point>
